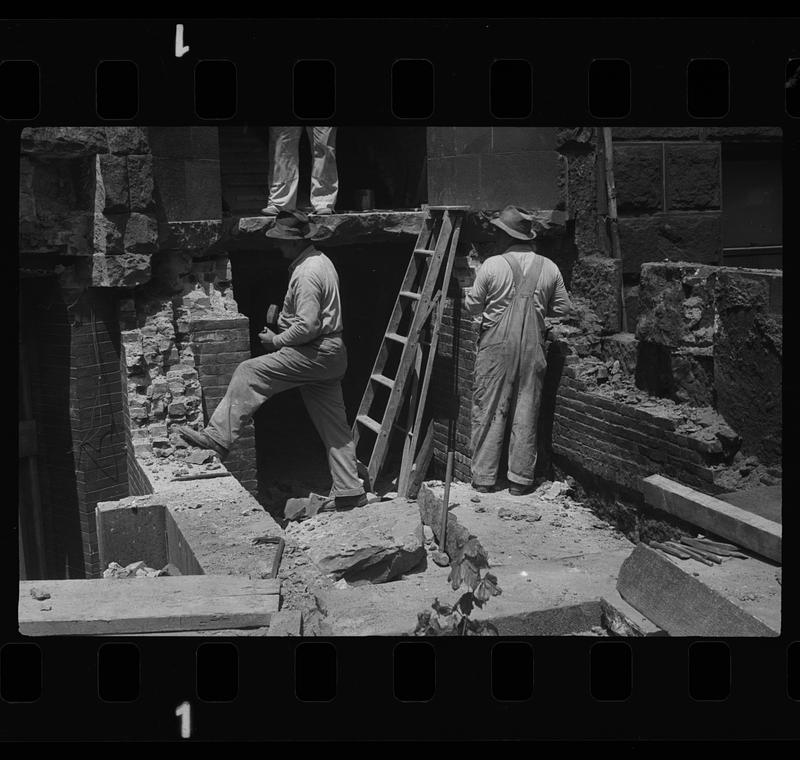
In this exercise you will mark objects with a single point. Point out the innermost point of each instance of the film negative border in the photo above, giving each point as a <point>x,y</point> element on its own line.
<point>570,694</point>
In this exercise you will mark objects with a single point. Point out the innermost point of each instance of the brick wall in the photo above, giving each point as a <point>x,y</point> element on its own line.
<point>220,344</point>
<point>490,167</point>
<point>622,444</point>
<point>98,432</point>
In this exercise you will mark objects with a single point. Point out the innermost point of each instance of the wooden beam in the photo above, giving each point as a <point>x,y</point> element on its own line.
<point>744,528</point>
<point>146,605</point>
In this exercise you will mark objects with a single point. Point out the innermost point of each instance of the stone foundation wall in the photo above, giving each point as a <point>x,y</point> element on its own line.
<point>713,336</point>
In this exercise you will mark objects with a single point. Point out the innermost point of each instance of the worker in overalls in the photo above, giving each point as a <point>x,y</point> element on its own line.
<point>513,292</point>
<point>308,353</point>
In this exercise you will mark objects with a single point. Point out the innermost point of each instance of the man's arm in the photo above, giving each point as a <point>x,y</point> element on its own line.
<point>306,322</point>
<point>476,295</point>
<point>560,304</point>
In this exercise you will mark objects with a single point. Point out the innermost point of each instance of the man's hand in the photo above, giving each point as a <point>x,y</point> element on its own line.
<point>266,337</point>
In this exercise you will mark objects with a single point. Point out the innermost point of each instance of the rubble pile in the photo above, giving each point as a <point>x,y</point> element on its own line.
<point>133,570</point>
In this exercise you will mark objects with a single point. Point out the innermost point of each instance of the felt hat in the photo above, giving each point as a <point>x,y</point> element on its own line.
<point>294,225</point>
<point>516,222</point>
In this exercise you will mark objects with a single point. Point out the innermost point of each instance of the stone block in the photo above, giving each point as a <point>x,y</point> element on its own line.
<point>108,233</point>
<point>656,133</point>
<point>454,181</point>
<point>125,270</point>
<point>125,140</point>
<point>598,280</point>
<point>141,234</point>
<point>112,183</point>
<point>373,544</point>
<point>204,189</point>
<point>517,139</point>
<point>63,142</point>
<point>639,178</point>
<point>472,140</point>
<point>530,179</point>
<point>772,134</point>
<point>690,237</point>
<point>693,176</point>
<point>140,182</point>
<point>440,142</point>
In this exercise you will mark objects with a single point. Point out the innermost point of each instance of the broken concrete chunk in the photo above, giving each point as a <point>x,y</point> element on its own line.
<point>374,544</point>
<point>39,594</point>
<point>504,513</point>
<point>199,456</point>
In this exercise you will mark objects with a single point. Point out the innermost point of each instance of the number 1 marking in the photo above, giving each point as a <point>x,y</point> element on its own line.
<point>180,48</point>
<point>184,712</point>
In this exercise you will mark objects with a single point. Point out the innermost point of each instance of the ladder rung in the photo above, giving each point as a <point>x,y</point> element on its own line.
<point>410,294</point>
<point>397,338</point>
<point>425,251</point>
<point>383,380</point>
<point>369,422</point>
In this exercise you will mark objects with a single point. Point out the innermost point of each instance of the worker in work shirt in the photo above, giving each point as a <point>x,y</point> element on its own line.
<point>308,353</point>
<point>513,292</point>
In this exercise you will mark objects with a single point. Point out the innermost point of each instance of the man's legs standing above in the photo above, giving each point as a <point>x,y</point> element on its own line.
<point>326,409</point>
<point>284,152</point>
<point>324,175</point>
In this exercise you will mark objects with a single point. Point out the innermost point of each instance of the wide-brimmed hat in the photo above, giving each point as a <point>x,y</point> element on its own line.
<point>294,225</point>
<point>516,222</point>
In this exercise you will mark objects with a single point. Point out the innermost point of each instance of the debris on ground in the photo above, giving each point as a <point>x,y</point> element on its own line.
<point>39,594</point>
<point>504,513</point>
<point>133,570</point>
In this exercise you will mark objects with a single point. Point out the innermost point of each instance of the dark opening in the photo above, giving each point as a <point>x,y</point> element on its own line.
<point>752,204</point>
<point>290,457</point>
<point>48,496</point>
<point>389,161</point>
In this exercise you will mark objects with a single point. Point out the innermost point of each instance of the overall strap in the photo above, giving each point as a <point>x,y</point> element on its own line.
<point>516,270</point>
<point>534,275</point>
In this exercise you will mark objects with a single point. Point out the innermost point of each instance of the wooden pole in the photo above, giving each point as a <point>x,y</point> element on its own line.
<point>612,214</point>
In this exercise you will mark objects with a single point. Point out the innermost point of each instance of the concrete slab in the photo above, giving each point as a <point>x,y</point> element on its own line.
<point>765,501</point>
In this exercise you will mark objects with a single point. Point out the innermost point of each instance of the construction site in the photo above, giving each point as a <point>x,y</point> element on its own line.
<point>147,274</point>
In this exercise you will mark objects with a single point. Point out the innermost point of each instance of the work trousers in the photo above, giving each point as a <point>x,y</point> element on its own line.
<point>509,374</point>
<point>317,368</point>
<point>284,175</point>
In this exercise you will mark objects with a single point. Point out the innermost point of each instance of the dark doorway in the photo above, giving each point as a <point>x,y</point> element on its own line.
<point>290,456</point>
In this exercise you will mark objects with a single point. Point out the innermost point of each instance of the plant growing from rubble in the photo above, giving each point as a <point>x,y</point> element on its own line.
<point>466,566</point>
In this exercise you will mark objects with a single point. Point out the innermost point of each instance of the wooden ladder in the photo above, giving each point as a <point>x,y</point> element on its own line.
<point>424,294</point>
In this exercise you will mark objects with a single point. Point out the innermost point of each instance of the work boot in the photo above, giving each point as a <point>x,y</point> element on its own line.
<point>517,489</point>
<point>270,210</point>
<point>350,502</point>
<point>202,440</point>
<point>482,489</point>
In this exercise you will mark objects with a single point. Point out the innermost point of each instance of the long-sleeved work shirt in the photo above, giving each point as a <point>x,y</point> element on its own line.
<point>493,288</point>
<point>312,307</point>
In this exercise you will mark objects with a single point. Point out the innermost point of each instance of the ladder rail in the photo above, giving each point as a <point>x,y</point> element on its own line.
<point>411,440</point>
<point>423,237</point>
<point>396,394</point>
<point>442,226</point>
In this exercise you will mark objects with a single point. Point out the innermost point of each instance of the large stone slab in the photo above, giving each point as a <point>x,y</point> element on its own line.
<point>679,603</point>
<point>372,544</point>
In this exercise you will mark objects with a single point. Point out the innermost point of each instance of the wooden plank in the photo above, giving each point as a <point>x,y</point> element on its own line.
<point>744,528</point>
<point>146,605</point>
<point>679,603</point>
